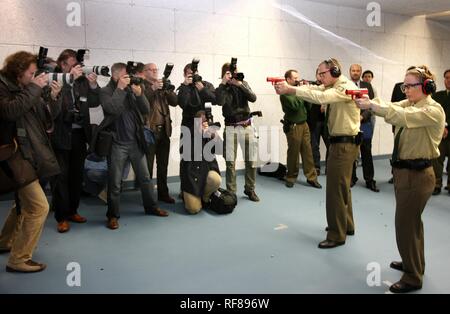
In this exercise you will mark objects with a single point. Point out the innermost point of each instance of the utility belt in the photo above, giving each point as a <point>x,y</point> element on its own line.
<point>288,126</point>
<point>357,140</point>
<point>416,164</point>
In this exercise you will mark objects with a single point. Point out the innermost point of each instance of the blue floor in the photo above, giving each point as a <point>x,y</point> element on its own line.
<point>270,247</point>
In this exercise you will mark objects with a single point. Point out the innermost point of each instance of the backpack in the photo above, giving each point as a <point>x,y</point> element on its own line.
<point>222,202</point>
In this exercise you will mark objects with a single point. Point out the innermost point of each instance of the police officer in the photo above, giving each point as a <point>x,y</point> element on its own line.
<point>298,136</point>
<point>343,126</point>
<point>443,98</point>
<point>419,122</point>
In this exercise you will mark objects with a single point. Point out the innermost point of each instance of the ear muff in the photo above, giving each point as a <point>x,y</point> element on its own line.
<point>428,87</point>
<point>335,71</point>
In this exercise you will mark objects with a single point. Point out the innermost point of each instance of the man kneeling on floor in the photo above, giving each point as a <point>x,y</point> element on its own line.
<point>199,171</point>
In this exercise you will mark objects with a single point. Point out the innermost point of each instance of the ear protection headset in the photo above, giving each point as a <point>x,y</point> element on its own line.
<point>428,85</point>
<point>335,71</point>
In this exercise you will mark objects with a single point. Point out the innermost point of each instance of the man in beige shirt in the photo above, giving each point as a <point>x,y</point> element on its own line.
<point>343,118</point>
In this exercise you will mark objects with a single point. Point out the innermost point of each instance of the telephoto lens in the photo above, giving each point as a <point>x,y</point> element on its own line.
<point>98,70</point>
<point>61,78</point>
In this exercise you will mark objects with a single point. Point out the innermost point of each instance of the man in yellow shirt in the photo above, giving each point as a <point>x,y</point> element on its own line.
<point>343,118</point>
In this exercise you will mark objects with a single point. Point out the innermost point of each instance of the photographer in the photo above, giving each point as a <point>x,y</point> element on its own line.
<point>233,95</point>
<point>125,105</point>
<point>160,97</point>
<point>199,173</point>
<point>24,119</point>
<point>193,93</point>
<point>298,135</point>
<point>70,137</point>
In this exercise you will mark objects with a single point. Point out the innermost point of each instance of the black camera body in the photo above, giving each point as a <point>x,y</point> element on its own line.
<point>42,59</point>
<point>167,85</point>
<point>233,67</point>
<point>195,77</point>
<point>132,70</point>
<point>210,118</point>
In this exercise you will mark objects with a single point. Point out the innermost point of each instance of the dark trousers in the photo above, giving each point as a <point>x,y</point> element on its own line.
<point>120,154</point>
<point>367,161</point>
<point>161,151</point>
<point>318,131</point>
<point>66,187</point>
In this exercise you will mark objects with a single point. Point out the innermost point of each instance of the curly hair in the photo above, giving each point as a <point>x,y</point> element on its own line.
<point>16,64</point>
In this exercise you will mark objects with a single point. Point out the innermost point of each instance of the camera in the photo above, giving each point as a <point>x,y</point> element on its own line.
<point>233,67</point>
<point>44,67</point>
<point>210,118</point>
<point>132,69</point>
<point>167,85</point>
<point>195,77</point>
<point>42,60</point>
<point>98,70</point>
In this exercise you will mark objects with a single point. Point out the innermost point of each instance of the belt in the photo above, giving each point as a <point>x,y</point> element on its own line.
<point>342,139</point>
<point>245,123</point>
<point>416,164</point>
<point>298,123</point>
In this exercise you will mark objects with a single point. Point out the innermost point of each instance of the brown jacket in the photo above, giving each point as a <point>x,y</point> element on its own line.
<point>160,100</point>
<point>24,118</point>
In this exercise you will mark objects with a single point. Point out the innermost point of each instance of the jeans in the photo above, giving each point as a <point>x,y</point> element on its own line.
<point>117,160</point>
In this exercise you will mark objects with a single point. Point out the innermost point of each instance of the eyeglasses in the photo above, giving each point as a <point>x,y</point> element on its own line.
<point>404,87</point>
<point>322,74</point>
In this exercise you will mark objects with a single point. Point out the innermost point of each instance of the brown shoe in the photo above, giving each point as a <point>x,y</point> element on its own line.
<point>156,212</point>
<point>63,226</point>
<point>27,267</point>
<point>77,219</point>
<point>113,223</point>
<point>252,196</point>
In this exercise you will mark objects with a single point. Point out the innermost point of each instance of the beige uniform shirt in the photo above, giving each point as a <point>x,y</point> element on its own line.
<point>343,114</point>
<point>423,125</point>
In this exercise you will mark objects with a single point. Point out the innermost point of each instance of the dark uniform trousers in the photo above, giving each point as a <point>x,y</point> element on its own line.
<point>161,149</point>
<point>412,191</point>
<point>299,142</point>
<point>339,198</point>
<point>438,164</point>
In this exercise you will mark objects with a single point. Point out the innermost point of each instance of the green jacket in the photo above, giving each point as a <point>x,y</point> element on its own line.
<point>294,109</point>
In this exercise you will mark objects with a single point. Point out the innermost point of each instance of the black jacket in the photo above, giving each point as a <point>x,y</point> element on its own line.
<point>443,98</point>
<point>193,101</point>
<point>114,102</point>
<point>25,117</point>
<point>234,101</point>
<point>62,136</point>
<point>194,167</point>
<point>397,94</point>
